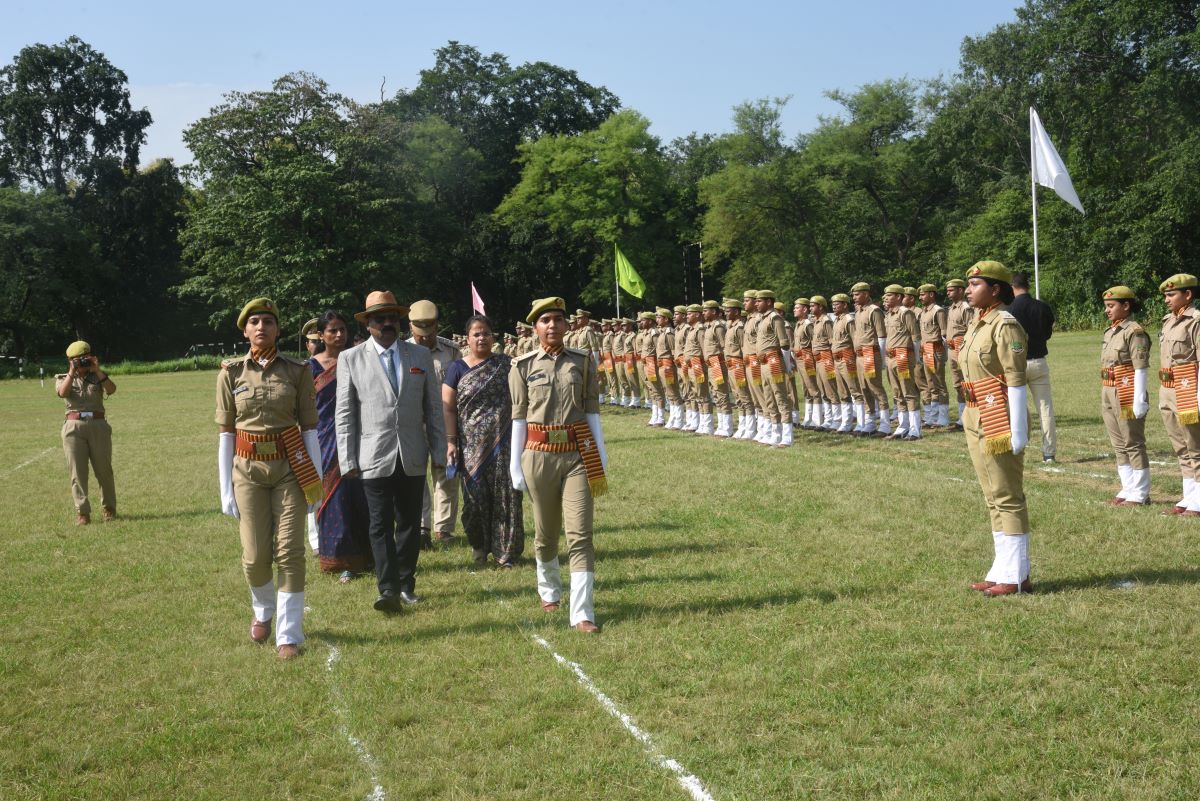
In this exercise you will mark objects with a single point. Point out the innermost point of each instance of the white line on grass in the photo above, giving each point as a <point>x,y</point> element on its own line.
<point>364,755</point>
<point>26,463</point>
<point>688,781</point>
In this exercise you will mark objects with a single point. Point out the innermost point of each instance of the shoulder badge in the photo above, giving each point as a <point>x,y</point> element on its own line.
<point>227,363</point>
<point>526,356</point>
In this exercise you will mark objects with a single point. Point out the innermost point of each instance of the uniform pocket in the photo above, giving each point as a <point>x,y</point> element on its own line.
<point>247,398</point>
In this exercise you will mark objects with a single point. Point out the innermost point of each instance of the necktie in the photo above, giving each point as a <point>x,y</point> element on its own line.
<point>390,367</point>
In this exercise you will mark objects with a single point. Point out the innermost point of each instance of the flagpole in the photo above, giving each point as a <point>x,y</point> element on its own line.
<point>1037,286</point>
<point>616,280</point>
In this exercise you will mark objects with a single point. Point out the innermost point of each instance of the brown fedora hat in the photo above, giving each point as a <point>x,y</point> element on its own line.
<point>380,301</point>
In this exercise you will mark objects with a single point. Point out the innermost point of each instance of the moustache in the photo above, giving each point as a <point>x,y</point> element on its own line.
<point>390,328</point>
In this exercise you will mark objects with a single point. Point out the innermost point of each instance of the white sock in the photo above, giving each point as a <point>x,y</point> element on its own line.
<point>289,629</point>
<point>549,582</point>
<point>582,585</point>
<point>262,601</point>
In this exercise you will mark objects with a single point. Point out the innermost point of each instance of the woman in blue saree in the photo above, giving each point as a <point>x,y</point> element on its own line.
<point>342,544</point>
<point>478,415</point>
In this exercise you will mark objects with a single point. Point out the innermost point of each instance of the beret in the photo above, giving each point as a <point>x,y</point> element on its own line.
<point>1178,281</point>
<point>993,270</point>
<point>544,305</point>
<point>78,348</point>
<point>258,306</point>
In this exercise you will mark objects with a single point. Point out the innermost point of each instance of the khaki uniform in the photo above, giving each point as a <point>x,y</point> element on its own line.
<point>806,365</point>
<point>632,363</point>
<point>900,324</point>
<point>772,337</point>
<point>844,359</point>
<point>557,390</point>
<point>764,400</point>
<point>258,400</point>
<point>933,332</point>
<point>732,350</point>
<point>958,318</point>
<point>88,439</point>
<point>822,347</point>
<point>693,366</point>
<point>1177,346</point>
<point>618,380</point>
<point>918,364</point>
<point>995,347</point>
<point>794,376</point>
<point>664,356</point>
<point>439,512</point>
<point>682,374</point>
<point>869,328</point>
<point>644,344</point>
<point>712,346</point>
<point>1125,344</point>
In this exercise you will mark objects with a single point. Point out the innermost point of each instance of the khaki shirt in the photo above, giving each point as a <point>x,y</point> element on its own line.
<point>869,326</point>
<point>680,340</point>
<point>554,390</point>
<point>266,401</point>
<point>444,354</point>
<point>86,393</point>
<point>802,339</point>
<point>750,334</point>
<point>772,334</point>
<point>822,333</point>
<point>733,338</point>
<point>713,342</point>
<point>843,332</point>
<point>958,319</point>
<point>617,343</point>
<point>664,343</point>
<point>933,323</point>
<point>900,323</point>
<point>995,346</point>
<point>1177,342</point>
<point>691,342</point>
<point>1126,342</point>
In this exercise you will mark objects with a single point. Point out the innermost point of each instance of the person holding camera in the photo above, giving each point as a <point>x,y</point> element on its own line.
<point>86,435</point>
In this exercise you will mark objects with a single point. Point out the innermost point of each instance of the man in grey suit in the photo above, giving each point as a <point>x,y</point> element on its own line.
<point>389,426</point>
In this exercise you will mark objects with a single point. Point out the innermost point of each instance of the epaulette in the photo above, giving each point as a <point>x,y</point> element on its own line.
<point>1167,316</point>
<point>293,360</point>
<point>1005,316</point>
<point>578,351</point>
<point>1136,326</point>
<point>526,355</point>
<point>227,363</point>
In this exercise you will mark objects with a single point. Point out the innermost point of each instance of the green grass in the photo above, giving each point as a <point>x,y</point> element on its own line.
<point>786,624</point>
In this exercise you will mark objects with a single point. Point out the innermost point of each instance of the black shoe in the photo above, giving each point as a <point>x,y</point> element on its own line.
<point>410,598</point>
<point>426,541</point>
<point>387,602</point>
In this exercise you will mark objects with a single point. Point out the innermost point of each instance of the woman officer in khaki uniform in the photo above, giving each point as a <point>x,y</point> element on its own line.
<point>1177,377</point>
<point>996,422</point>
<point>1124,401</point>
<point>269,463</point>
<point>558,456</point>
<point>86,435</point>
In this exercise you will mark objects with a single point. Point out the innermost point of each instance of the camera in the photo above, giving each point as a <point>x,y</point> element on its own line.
<point>83,361</point>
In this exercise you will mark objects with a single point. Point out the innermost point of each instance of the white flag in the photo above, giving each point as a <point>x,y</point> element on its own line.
<point>1048,167</point>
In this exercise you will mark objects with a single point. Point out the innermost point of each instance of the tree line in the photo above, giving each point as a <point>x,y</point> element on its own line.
<point>521,178</point>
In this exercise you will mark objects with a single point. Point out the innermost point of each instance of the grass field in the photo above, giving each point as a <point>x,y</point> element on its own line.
<point>784,624</point>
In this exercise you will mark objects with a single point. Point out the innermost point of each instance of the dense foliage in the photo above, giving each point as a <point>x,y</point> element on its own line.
<point>521,178</point>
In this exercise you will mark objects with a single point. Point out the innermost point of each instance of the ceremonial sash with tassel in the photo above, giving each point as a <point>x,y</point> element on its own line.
<point>929,354</point>
<point>630,360</point>
<point>867,352</point>
<point>606,364</point>
<point>775,365</point>
<point>1120,377</point>
<point>573,437</point>
<point>265,447</point>
<point>651,369</point>
<point>666,366</point>
<point>901,357</point>
<point>1182,378</point>
<point>755,370</point>
<point>846,357</point>
<point>737,369</point>
<point>715,373</point>
<point>809,361</point>
<point>825,358</point>
<point>696,366</point>
<point>990,396</point>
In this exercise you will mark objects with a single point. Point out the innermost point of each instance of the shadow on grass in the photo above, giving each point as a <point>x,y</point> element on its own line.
<point>179,513</point>
<point>649,551</point>
<point>720,606</point>
<point>608,584</point>
<point>1112,581</point>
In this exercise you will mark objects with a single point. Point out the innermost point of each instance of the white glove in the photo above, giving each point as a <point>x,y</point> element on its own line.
<point>225,448</point>
<point>1018,418</point>
<point>520,430</point>
<point>1141,398</point>
<point>312,444</point>
<point>593,421</point>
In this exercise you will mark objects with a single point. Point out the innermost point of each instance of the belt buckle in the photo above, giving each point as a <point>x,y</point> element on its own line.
<point>86,415</point>
<point>556,436</point>
<point>265,448</point>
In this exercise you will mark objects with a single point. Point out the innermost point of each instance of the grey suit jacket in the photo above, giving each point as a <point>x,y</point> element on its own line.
<point>376,424</point>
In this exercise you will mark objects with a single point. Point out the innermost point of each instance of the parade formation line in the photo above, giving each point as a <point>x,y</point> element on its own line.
<point>688,781</point>
<point>365,756</point>
<point>26,463</point>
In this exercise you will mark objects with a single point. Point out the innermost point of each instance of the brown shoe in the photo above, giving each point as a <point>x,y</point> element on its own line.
<point>549,606</point>
<point>260,630</point>
<point>443,537</point>
<point>288,651</point>
<point>1174,510</point>
<point>109,514</point>
<point>980,586</point>
<point>1189,513</point>
<point>1115,502</point>
<point>82,520</point>
<point>587,627</point>
<point>1008,589</point>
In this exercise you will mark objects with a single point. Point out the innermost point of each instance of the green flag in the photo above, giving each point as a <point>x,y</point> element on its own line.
<point>627,277</point>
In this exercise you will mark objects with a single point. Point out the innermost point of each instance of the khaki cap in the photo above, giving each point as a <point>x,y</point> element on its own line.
<point>840,297</point>
<point>309,331</point>
<point>423,317</point>
<point>923,288</point>
<point>544,305</point>
<point>78,348</point>
<point>992,270</point>
<point>711,304</point>
<point>861,286</point>
<point>765,294</point>
<point>659,311</point>
<point>779,305</point>
<point>956,282</point>
<point>646,315</point>
<point>800,302</point>
<point>1119,293</point>
<point>731,303</point>
<point>694,307</point>
<point>893,289</point>
<point>380,301</point>
<point>910,291</point>
<point>1179,281</point>
<point>818,300</point>
<point>258,306</point>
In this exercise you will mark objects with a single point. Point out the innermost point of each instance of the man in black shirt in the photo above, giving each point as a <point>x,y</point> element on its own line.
<point>1038,321</point>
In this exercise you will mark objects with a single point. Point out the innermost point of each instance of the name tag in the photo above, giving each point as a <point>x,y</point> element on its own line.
<point>535,378</point>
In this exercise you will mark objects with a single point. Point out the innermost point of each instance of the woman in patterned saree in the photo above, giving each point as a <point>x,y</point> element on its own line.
<point>478,413</point>
<point>342,544</point>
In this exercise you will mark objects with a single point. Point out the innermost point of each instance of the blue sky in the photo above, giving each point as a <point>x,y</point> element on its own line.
<point>682,65</point>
